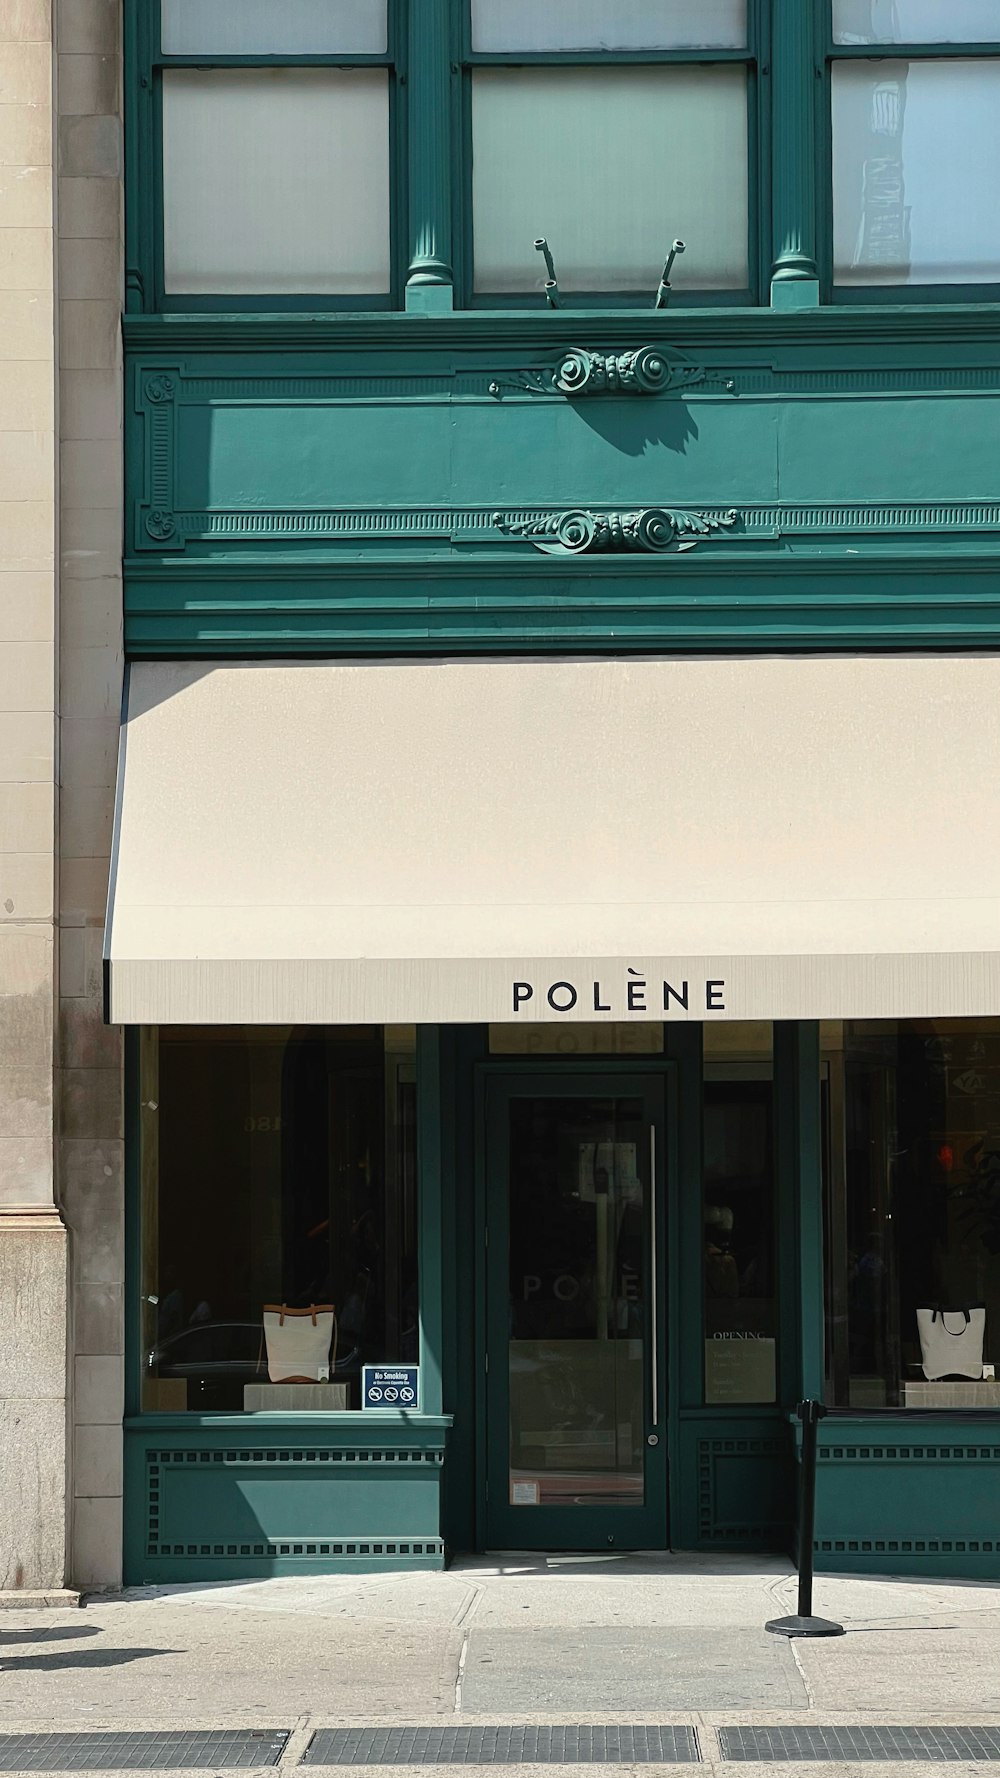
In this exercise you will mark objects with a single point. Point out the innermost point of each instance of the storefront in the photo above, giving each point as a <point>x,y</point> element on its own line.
<point>620,1210</point>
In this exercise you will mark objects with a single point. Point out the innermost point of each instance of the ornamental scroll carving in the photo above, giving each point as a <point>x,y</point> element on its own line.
<point>652,530</point>
<point>646,370</point>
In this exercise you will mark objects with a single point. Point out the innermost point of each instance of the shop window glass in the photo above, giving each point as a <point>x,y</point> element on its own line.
<point>278,1169</point>
<point>262,27</point>
<point>913,1214</point>
<point>741,1312</point>
<point>610,165</point>
<point>915,149</point>
<point>508,25</point>
<point>916,21</point>
<point>276,180</point>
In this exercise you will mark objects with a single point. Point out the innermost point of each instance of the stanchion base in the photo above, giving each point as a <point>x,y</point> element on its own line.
<point>804,1626</point>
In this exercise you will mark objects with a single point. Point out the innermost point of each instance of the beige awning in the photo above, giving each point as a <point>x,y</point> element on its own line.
<point>461,841</point>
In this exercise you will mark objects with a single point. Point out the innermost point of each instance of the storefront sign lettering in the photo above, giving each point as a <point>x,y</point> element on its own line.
<point>635,994</point>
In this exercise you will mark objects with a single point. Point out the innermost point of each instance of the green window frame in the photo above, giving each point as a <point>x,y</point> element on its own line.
<point>790,60</point>
<point>145,65</point>
<point>834,54</point>
<point>754,58</point>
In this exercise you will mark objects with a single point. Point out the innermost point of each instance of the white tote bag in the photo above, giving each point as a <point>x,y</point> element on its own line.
<point>951,1342</point>
<point>299,1342</point>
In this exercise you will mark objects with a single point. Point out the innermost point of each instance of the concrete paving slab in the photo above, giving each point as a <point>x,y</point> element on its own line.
<point>545,1639</point>
<point>236,1667</point>
<point>441,1599</point>
<point>597,1668</point>
<point>906,1667</point>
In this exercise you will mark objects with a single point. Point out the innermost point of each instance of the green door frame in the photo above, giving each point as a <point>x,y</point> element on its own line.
<point>499,1524</point>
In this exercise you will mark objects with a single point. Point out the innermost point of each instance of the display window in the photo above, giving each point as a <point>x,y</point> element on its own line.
<point>913,1213</point>
<point>738,1213</point>
<point>278,1215</point>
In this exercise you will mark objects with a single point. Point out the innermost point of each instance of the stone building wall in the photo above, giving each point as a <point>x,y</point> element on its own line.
<point>60,688</point>
<point>90,1147</point>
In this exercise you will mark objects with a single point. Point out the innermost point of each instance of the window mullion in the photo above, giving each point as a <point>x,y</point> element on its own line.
<point>430,85</point>
<point>794,86</point>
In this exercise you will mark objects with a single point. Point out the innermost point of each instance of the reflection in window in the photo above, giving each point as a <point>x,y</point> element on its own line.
<point>610,164</point>
<point>915,21</point>
<point>738,1214</point>
<point>915,148</point>
<point>913,1213</point>
<point>278,1168</point>
<point>577,1313</point>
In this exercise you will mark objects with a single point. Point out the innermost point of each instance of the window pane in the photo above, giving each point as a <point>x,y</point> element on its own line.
<point>276,179</point>
<point>578,1183</point>
<point>916,21</point>
<point>610,164</point>
<point>608,24</point>
<point>915,145</point>
<point>913,1214</point>
<point>278,1168</point>
<point>261,28</point>
<point>741,1302</point>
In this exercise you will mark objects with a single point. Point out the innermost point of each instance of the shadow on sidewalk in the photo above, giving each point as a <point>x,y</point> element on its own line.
<point>85,1657</point>
<point>61,1634</point>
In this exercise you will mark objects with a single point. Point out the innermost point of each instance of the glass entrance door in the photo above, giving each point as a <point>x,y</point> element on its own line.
<point>575,1382</point>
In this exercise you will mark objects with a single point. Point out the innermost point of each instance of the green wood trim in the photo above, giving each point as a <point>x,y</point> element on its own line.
<point>795,86</point>
<point>133,1225</point>
<point>686,1254</point>
<point>430,149</point>
<point>910,52</point>
<point>367,1427</point>
<point>432,1148</point>
<point>139,21</point>
<point>875,324</point>
<point>800,1209</point>
<point>462,1371</point>
<point>939,596</point>
<point>735,1474</point>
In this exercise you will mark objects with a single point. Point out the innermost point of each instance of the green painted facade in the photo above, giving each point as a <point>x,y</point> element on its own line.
<point>323,481</point>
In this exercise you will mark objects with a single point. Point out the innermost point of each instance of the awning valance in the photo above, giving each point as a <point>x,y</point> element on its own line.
<point>515,840</point>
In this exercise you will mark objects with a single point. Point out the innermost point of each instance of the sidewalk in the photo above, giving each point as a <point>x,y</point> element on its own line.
<point>674,1639</point>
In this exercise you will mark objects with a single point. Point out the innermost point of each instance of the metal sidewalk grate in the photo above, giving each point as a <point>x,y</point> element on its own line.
<point>860,1743</point>
<point>123,1750</point>
<point>475,1744</point>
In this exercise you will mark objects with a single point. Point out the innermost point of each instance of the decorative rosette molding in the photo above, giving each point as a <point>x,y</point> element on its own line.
<point>645,370</point>
<point>652,530</point>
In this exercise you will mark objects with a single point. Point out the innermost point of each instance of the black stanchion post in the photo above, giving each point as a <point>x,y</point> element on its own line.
<point>803,1623</point>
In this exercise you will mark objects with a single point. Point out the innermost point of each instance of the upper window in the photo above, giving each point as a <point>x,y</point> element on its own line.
<point>609,132</point>
<point>506,25</point>
<point>915,141</point>
<point>260,28</point>
<point>338,153</point>
<point>916,21</point>
<point>275,176</point>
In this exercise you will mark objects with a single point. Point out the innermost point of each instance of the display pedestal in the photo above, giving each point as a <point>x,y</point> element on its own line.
<point>295,1398</point>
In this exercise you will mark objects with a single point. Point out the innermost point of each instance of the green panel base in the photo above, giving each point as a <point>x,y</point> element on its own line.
<point>909,1495</point>
<point>735,1484</point>
<point>235,1499</point>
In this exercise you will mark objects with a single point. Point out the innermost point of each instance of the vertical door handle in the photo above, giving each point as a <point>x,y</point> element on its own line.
<point>654,1319</point>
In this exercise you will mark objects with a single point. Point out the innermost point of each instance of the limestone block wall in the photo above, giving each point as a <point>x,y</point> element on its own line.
<point>61,1221</point>
<point>90,1151</point>
<point>32,1239</point>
